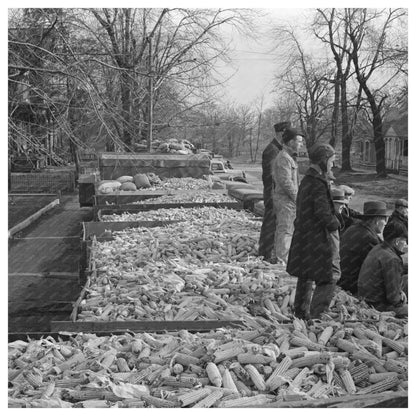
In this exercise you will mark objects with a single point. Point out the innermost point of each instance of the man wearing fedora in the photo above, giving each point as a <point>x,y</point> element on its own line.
<point>381,278</point>
<point>358,240</point>
<point>266,242</point>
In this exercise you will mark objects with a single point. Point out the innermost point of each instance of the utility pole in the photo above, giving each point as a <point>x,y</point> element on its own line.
<point>150,102</point>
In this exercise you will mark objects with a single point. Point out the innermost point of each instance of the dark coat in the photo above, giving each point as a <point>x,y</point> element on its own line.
<point>356,243</point>
<point>397,216</point>
<point>310,255</point>
<point>350,217</point>
<point>269,154</point>
<point>380,279</point>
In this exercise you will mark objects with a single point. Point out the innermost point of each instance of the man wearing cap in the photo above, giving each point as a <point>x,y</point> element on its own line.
<point>311,251</point>
<point>349,215</point>
<point>400,213</point>
<point>285,188</point>
<point>340,200</point>
<point>266,242</point>
<point>380,281</point>
<point>358,240</point>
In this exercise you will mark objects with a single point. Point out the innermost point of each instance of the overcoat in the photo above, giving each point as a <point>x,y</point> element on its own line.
<point>310,254</point>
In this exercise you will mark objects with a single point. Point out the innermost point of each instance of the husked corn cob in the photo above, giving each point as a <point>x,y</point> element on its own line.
<point>224,355</point>
<point>193,396</point>
<point>278,377</point>
<point>292,373</point>
<point>122,365</point>
<point>376,377</point>
<point>85,394</point>
<point>298,380</point>
<point>396,366</point>
<point>156,402</point>
<point>178,382</point>
<point>296,352</point>
<point>239,371</point>
<point>310,360</point>
<point>34,379</point>
<point>347,346</point>
<point>312,337</point>
<point>209,400</point>
<point>49,390</point>
<point>242,388</point>
<point>227,381</point>
<point>381,386</point>
<point>325,335</point>
<point>394,345</point>
<point>250,358</point>
<point>93,404</point>
<point>348,381</point>
<point>213,374</point>
<point>367,357</point>
<point>359,372</point>
<point>392,355</point>
<point>185,360</point>
<point>256,400</point>
<point>341,362</point>
<point>256,377</point>
<point>338,381</point>
<point>359,333</point>
<point>320,392</point>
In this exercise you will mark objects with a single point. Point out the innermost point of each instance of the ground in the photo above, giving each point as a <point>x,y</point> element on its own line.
<point>21,207</point>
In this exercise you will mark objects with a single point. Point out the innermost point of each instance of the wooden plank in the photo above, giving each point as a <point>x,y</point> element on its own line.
<point>140,326</point>
<point>394,399</point>
<point>32,218</point>
<point>46,275</point>
<point>35,194</point>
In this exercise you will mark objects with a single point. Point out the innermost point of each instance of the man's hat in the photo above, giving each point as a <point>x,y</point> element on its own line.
<point>394,229</point>
<point>348,190</point>
<point>375,209</point>
<point>338,195</point>
<point>401,203</point>
<point>278,127</point>
<point>289,134</point>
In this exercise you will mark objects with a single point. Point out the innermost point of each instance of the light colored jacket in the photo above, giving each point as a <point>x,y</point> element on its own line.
<point>285,176</point>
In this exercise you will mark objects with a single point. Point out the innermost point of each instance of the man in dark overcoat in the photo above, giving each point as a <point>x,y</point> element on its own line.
<point>358,240</point>
<point>310,255</point>
<point>266,242</point>
<point>400,213</point>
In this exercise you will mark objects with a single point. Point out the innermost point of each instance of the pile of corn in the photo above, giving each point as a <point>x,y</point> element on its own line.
<point>202,196</point>
<point>227,368</point>
<point>181,184</point>
<point>196,241</point>
<point>212,214</point>
<point>251,292</point>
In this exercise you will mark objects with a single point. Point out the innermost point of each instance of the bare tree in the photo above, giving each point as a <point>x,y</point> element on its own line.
<point>306,79</point>
<point>368,32</point>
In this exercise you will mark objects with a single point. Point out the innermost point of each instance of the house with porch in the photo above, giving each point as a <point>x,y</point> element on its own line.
<point>395,132</point>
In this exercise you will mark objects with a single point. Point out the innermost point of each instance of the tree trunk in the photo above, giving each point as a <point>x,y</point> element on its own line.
<point>379,145</point>
<point>125,104</point>
<point>335,111</point>
<point>75,156</point>
<point>346,131</point>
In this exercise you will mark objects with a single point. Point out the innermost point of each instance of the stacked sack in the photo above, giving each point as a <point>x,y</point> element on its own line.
<point>129,183</point>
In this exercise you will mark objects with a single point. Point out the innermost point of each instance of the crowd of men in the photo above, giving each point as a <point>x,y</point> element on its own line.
<point>309,226</point>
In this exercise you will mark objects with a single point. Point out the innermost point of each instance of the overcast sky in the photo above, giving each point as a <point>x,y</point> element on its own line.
<point>253,61</point>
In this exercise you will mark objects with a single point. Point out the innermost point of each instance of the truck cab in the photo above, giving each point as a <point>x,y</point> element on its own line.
<point>220,169</point>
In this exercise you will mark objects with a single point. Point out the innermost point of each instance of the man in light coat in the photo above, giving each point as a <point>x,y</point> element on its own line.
<point>285,188</point>
<point>266,241</point>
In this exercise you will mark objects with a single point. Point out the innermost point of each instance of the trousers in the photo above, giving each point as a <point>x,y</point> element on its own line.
<point>266,241</point>
<point>285,210</point>
<point>309,303</point>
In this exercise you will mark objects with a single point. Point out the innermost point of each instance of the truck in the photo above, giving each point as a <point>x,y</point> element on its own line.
<point>220,169</point>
